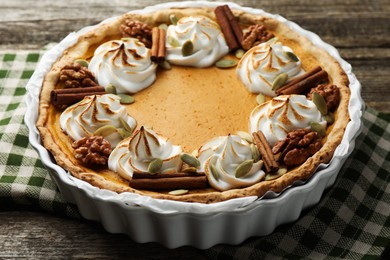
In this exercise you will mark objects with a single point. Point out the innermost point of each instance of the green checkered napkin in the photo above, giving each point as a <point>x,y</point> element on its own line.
<point>351,221</point>
<point>23,178</point>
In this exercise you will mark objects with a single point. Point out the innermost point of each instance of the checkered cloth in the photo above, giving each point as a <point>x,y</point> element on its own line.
<point>351,221</point>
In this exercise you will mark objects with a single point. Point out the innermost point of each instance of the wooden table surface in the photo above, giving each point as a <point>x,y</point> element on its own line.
<point>359,29</point>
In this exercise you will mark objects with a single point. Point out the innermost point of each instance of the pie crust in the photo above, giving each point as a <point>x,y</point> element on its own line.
<point>59,144</point>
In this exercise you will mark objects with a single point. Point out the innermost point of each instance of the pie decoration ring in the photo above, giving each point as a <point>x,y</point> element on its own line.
<point>312,52</point>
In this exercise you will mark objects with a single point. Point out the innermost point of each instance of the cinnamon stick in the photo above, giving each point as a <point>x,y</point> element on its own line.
<point>233,23</point>
<point>226,27</point>
<point>265,151</point>
<point>161,46</point>
<point>158,51</point>
<point>181,180</point>
<point>69,96</point>
<point>311,79</point>
<point>155,43</point>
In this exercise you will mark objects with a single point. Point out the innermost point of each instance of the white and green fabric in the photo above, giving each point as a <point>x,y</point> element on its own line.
<point>350,222</point>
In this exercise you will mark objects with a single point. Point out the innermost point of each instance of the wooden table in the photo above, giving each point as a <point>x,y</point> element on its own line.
<point>359,29</point>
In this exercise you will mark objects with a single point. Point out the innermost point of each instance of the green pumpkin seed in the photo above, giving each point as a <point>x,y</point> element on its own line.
<point>214,171</point>
<point>125,125</point>
<point>260,98</point>
<point>173,41</point>
<point>163,26</point>
<point>246,136</point>
<point>187,48</point>
<point>173,19</point>
<point>111,89</point>
<point>124,133</point>
<point>279,173</point>
<point>82,62</point>
<point>155,165</point>
<point>329,118</point>
<point>225,63</point>
<point>190,160</point>
<point>279,81</point>
<point>317,127</point>
<point>189,169</point>
<point>105,130</point>
<point>320,102</point>
<point>165,65</point>
<point>243,168</point>
<point>239,53</point>
<point>178,192</point>
<point>255,153</point>
<point>126,99</point>
<point>291,56</point>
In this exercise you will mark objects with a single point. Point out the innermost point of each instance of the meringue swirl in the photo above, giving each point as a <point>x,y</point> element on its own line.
<point>206,37</point>
<point>259,67</point>
<point>125,64</point>
<point>224,154</point>
<point>135,154</point>
<point>93,112</point>
<point>276,117</point>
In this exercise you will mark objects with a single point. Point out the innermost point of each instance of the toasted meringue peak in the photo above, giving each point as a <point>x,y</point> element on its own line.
<point>220,158</point>
<point>259,67</point>
<point>125,64</point>
<point>209,44</point>
<point>134,154</point>
<point>276,117</point>
<point>93,112</point>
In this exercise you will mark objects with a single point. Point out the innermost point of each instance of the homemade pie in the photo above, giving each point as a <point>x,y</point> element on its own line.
<point>193,104</point>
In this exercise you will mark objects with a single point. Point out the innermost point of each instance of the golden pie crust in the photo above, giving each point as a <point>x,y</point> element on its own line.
<point>190,124</point>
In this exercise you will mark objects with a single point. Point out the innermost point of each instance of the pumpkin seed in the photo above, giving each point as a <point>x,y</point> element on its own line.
<point>190,160</point>
<point>214,171</point>
<point>124,133</point>
<point>165,65</point>
<point>273,176</point>
<point>291,56</point>
<point>173,19</point>
<point>111,89</point>
<point>105,130</point>
<point>173,41</point>
<point>163,26</point>
<point>82,62</point>
<point>125,125</point>
<point>279,81</point>
<point>126,99</point>
<point>187,48</point>
<point>329,118</point>
<point>317,127</point>
<point>243,168</point>
<point>239,53</point>
<point>178,192</point>
<point>225,63</point>
<point>189,169</point>
<point>155,165</point>
<point>255,153</point>
<point>246,136</point>
<point>320,102</point>
<point>260,98</point>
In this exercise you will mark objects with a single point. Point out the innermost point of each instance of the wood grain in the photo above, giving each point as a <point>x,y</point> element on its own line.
<point>359,29</point>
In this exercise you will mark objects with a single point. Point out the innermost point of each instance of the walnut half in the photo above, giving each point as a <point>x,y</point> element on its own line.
<point>297,146</point>
<point>92,150</point>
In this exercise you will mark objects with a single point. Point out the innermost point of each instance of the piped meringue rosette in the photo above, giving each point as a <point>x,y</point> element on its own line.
<point>125,64</point>
<point>208,42</point>
<point>260,66</point>
<point>220,158</point>
<point>276,117</point>
<point>84,118</point>
<point>135,154</point>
